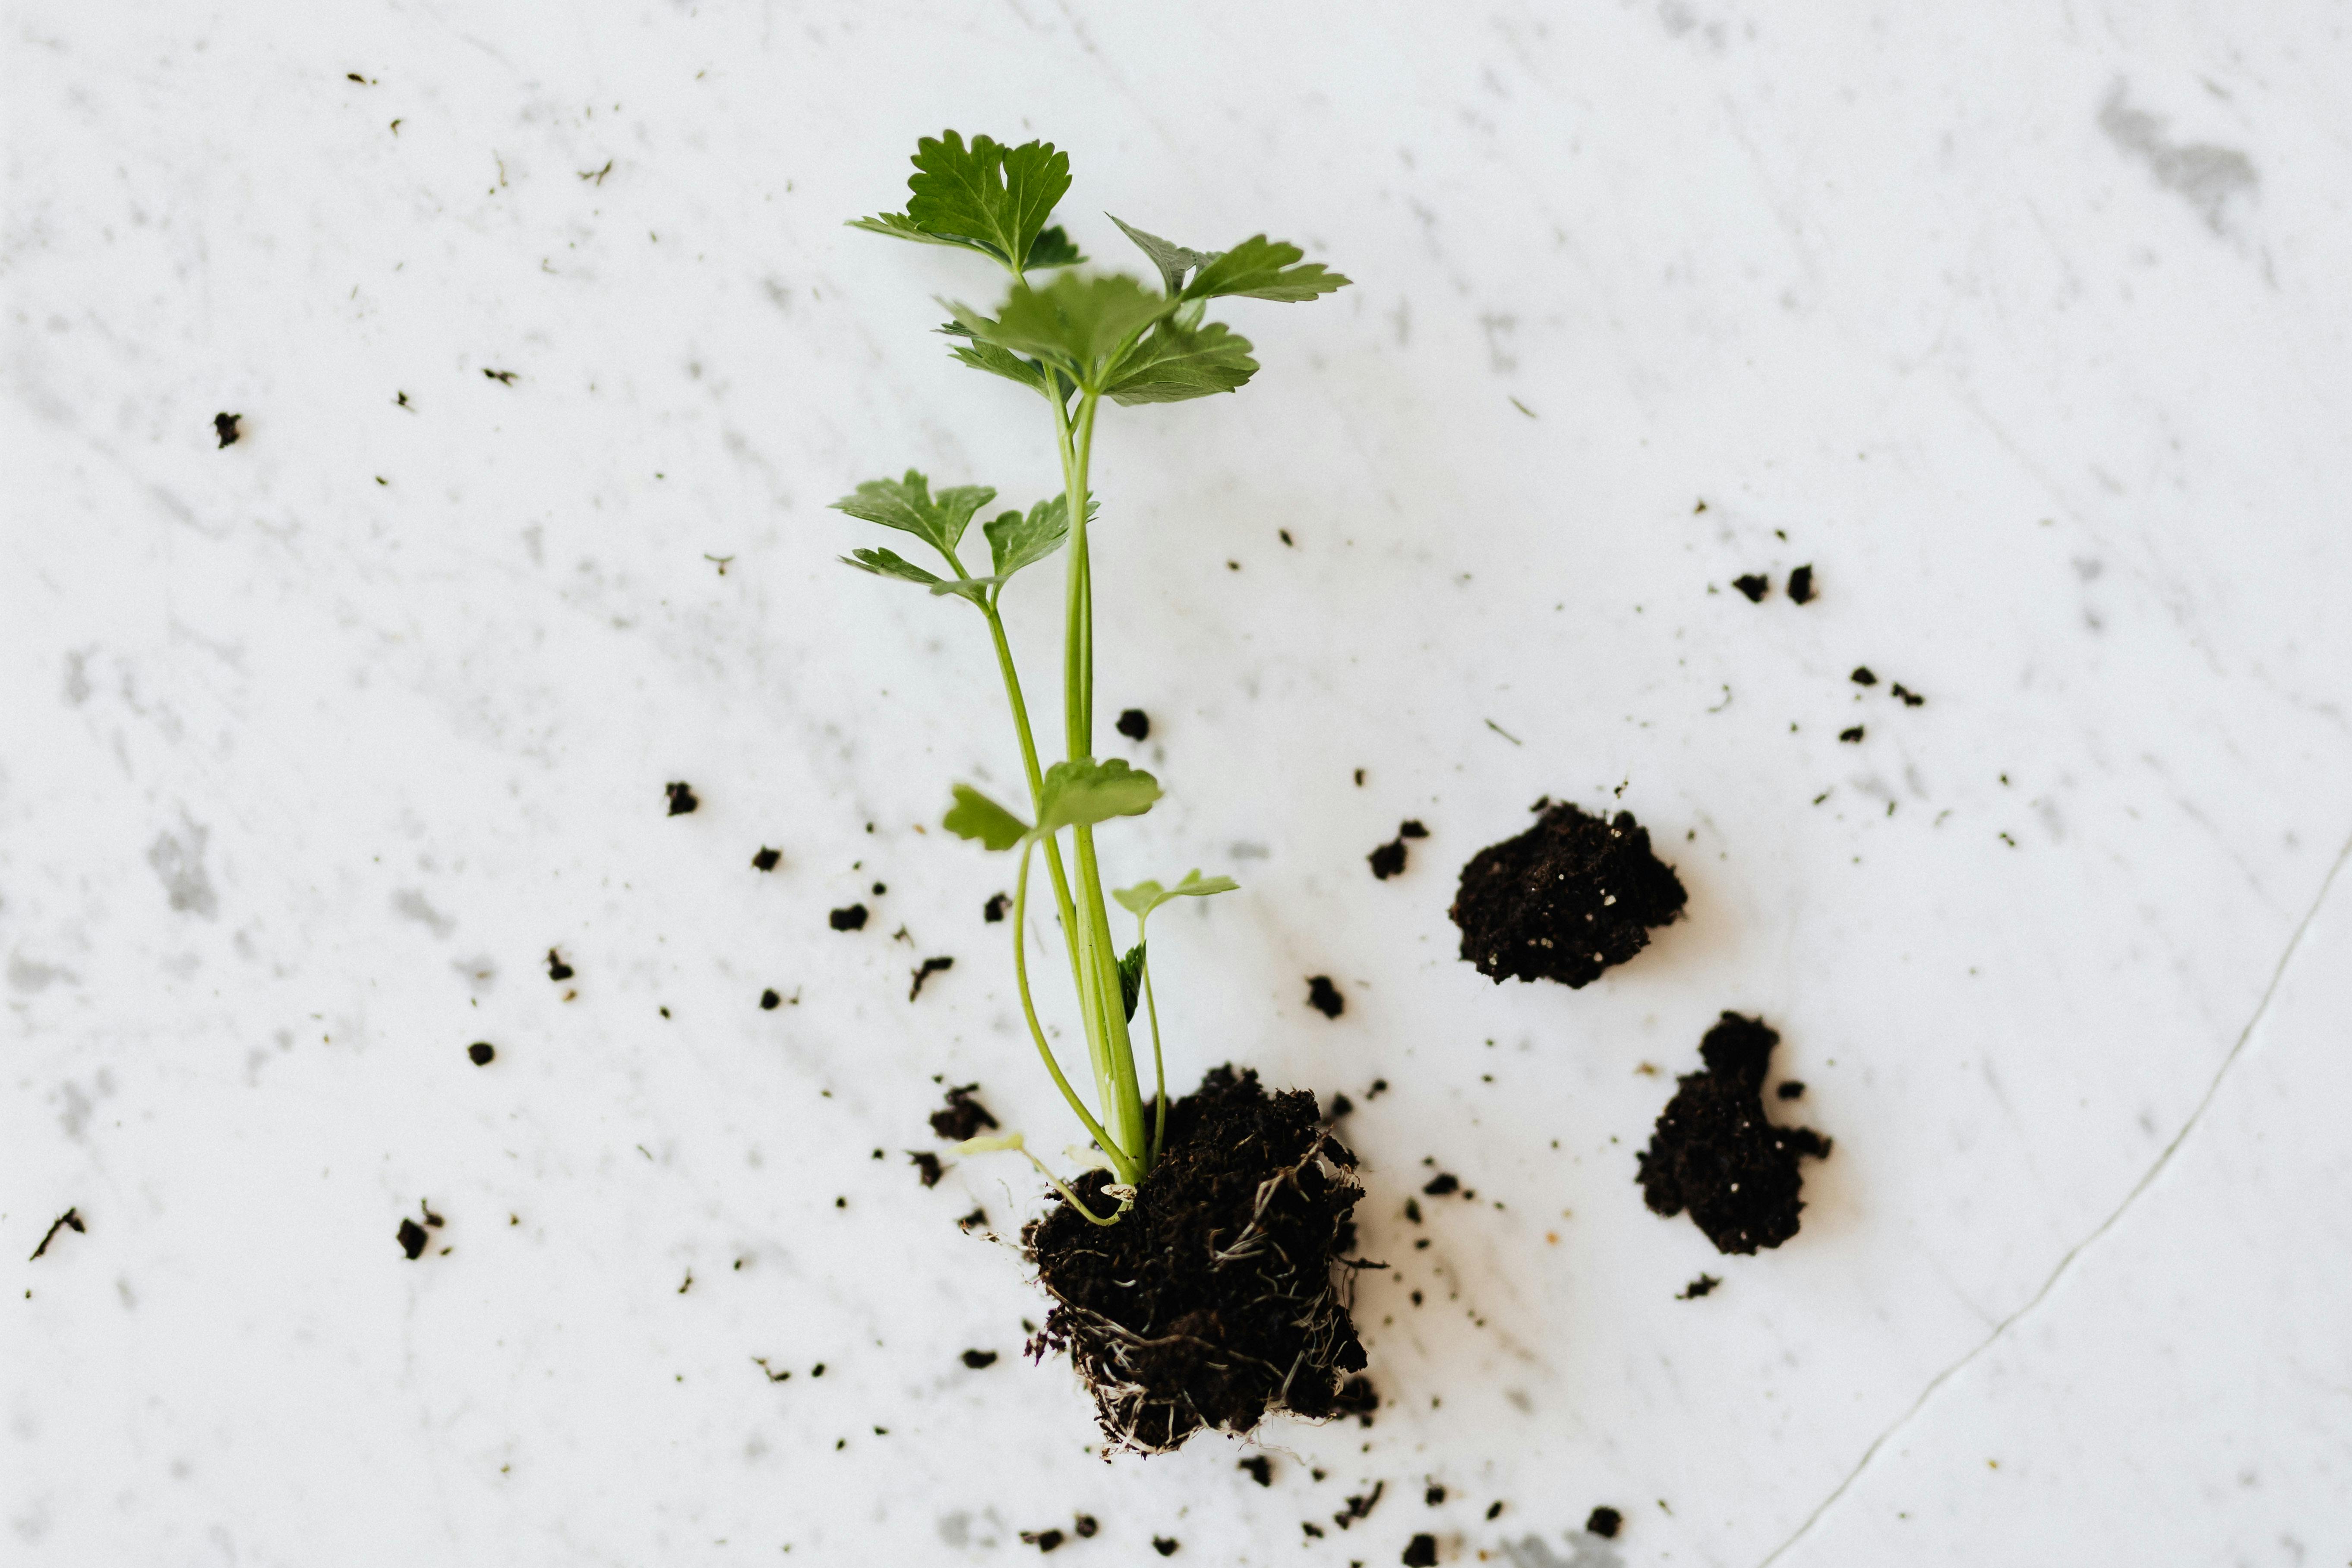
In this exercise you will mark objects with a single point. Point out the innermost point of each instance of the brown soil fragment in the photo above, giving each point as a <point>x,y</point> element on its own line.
<point>1564,900</point>
<point>1716,1154</point>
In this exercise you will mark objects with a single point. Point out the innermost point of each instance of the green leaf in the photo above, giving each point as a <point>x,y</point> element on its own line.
<point>1052,249</point>
<point>1130,979</point>
<point>1145,897</point>
<point>997,196</point>
<point>908,504</point>
<point>1173,259</point>
<point>1079,324</point>
<point>1015,540</point>
<point>974,815</point>
<point>890,563</point>
<point>1261,269</point>
<point>998,360</point>
<point>1172,365</point>
<point>898,225</point>
<point>1077,794</point>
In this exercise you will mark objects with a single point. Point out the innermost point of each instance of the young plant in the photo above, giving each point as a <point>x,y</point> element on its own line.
<point>1073,339</point>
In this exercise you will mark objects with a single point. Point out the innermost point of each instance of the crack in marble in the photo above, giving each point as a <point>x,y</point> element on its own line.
<point>2148,1179</point>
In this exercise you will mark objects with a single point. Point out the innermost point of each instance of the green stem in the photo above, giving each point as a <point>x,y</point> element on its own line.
<point>1036,777</point>
<point>1159,1070</point>
<point>1125,1163</point>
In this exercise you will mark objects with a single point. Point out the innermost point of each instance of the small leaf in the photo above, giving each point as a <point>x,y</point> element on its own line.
<point>1261,269</point>
<point>1173,259</point>
<point>1172,365</point>
<point>974,815</point>
<point>997,196</point>
<point>1052,249</point>
<point>908,504</point>
<point>1077,794</point>
<point>1079,324</point>
<point>1145,897</point>
<point>890,564</point>
<point>898,225</point>
<point>996,360</point>
<point>1130,979</point>
<point>1015,541</point>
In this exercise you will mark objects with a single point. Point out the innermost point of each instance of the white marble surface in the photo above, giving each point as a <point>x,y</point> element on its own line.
<point>2026,326</point>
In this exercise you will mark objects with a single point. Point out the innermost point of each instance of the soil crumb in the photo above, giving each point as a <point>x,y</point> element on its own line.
<point>963,1118</point>
<point>1388,860</point>
<point>976,1220</point>
<point>1800,585</point>
<point>1564,900</point>
<point>71,1220</point>
<point>993,911</point>
<point>1165,1546</point>
<point>928,967</point>
<point>224,426</point>
<point>1851,737</point>
<point>976,1360</point>
<point>927,1165</point>
<point>1084,1526</point>
<point>1042,1539</point>
<point>1420,1552</point>
<point>770,1000</point>
<point>1792,1090</point>
<point>1755,585</point>
<point>1604,1521</point>
<point>413,1237</point>
<point>1862,676</point>
<point>681,799</point>
<point>1716,1154</point>
<point>1904,694</point>
<point>481,1053</point>
<point>1260,1469</point>
<point>1324,996</point>
<point>1702,1286</point>
<point>765,860</point>
<point>1134,724</point>
<point>557,970</point>
<point>851,919</point>
<point>1222,1295</point>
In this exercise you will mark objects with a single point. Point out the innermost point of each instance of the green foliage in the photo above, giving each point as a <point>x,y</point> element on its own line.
<point>1130,978</point>
<point>1016,540</point>
<point>974,815</point>
<point>1081,793</point>
<point>1173,259</point>
<point>908,504</point>
<point>1080,326</point>
<point>986,197</point>
<point>1261,269</point>
<point>1145,897</point>
<point>1171,365</point>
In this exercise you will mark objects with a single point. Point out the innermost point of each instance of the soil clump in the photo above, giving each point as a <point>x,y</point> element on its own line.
<point>1564,900</point>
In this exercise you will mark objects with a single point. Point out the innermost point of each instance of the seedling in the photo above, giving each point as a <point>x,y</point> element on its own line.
<point>1073,339</point>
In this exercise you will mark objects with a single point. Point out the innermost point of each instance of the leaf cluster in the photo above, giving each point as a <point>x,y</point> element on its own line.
<point>1016,539</point>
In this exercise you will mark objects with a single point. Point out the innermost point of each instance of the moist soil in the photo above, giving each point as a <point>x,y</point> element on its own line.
<point>1223,1295</point>
<point>1716,1154</point>
<point>1566,899</point>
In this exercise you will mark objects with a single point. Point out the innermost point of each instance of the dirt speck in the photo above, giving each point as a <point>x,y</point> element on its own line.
<point>681,798</point>
<point>1324,996</point>
<point>850,918</point>
<point>1604,1521</point>
<point>481,1053</point>
<point>1716,1154</point>
<point>224,426</point>
<point>1134,724</point>
<point>964,1116</point>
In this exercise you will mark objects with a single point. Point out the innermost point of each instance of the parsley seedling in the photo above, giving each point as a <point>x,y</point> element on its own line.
<point>1072,340</point>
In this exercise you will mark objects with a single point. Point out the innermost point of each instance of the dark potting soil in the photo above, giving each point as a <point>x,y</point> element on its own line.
<point>481,1053</point>
<point>681,798</point>
<point>964,1116</point>
<point>1564,900</point>
<point>993,911</point>
<point>413,1237</point>
<point>850,918</point>
<point>1755,585</point>
<point>1716,1154</point>
<point>224,426</point>
<point>1324,996</point>
<point>1388,860</point>
<point>976,1360</point>
<point>1134,724</point>
<point>929,967</point>
<point>1260,1469</point>
<point>926,1165</point>
<point>765,860</point>
<point>1420,1552</point>
<point>1801,585</point>
<point>557,970</point>
<point>1702,1286</point>
<point>1604,1521</point>
<point>1222,1294</point>
<point>1165,1546</point>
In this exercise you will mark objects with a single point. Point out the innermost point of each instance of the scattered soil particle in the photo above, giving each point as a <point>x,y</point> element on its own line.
<point>1084,1526</point>
<point>1702,1286</point>
<point>413,1237</point>
<point>765,860</point>
<point>979,1359</point>
<point>880,889</point>
<point>1792,1090</point>
<point>1603,1522</point>
<point>1755,585</point>
<point>1862,676</point>
<point>480,1053</point>
<point>1324,996</point>
<point>976,1220</point>
<point>927,1165</point>
<point>1165,1546</point>
<point>557,970</point>
<point>1420,1552</point>
<point>1494,1508</point>
<point>1380,1087</point>
<point>1222,1294</point>
<point>1800,585</point>
<point>1340,1106</point>
<point>1716,1154</point>
<point>851,919</point>
<point>1042,1539</point>
<point>503,377</point>
<point>1134,724</point>
<point>1311,1528</point>
<point>770,1001</point>
<point>1411,827</point>
<point>1851,737</point>
<point>1357,1396</point>
<point>1908,698</point>
<point>1438,1185</point>
<point>994,909</point>
<point>224,426</point>
<point>71,1220</point>
<point>1260,1469</point>
<point>964,1116</point>
<point>681,799</point>
<point>1388,860</point>
<point>1566,899</point>
<point>1360,1506</point>
<point>928,967</point>
<point>1434,1495</point>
